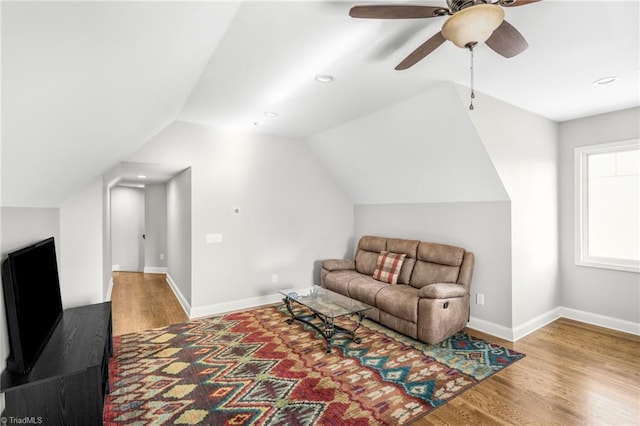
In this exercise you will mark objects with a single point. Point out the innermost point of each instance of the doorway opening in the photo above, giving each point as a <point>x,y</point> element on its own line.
<point>146,236</point>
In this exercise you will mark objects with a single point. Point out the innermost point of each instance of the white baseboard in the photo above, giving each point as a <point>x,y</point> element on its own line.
<point>601,320</point>
<point>491,328</point>
<point>186,307</point>
<point>236,305</point>
<point>115,267</point>
<point>535,323</point>
<point>518,332</point>
<point>155,270</point>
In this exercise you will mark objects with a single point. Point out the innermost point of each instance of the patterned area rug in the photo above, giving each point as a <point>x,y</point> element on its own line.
<point>252,368</point>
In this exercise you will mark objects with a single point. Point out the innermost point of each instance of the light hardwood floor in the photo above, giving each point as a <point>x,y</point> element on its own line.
<point>573,373</point>
<point>142,302</point>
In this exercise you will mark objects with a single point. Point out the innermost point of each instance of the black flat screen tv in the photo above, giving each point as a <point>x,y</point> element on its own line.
<point>32,301</point>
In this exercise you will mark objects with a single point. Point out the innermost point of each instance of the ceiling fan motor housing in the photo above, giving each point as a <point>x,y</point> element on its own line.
<point>456,5</point>
<point>473,24</point>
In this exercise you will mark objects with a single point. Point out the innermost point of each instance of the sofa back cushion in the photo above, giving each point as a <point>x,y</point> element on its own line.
<point>436,263</point>
<point>369,249</point>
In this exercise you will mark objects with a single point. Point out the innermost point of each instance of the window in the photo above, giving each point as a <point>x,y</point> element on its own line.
<point>608,205</point>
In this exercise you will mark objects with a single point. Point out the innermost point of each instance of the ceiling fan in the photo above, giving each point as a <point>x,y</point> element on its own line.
<point>470,22</point>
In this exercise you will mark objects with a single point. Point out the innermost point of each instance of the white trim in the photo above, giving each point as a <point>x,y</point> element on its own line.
<point>491,328</point>
<point>581,211</point>
<point>155,270</point>
<point>186,307</point>
<point>601,320</point>
<point>219,308</point>
<point>535,323</point>
<point>115,267</point>
<point>110,289</point>
<point>516,333</point>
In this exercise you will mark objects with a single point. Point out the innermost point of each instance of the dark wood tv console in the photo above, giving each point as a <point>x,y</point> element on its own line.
<point>70,379</point>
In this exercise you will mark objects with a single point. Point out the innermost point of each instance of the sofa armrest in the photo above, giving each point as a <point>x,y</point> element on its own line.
<point>443,291</point>
<point>338,264</point>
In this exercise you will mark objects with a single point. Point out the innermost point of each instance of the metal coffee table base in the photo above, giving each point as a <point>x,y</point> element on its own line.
<point>327,328</point>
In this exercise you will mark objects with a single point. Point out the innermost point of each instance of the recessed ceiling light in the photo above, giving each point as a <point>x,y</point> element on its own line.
<point>324,78</point>
<point>606,80</point>
<point>271,114</point>
<point>142,177</point>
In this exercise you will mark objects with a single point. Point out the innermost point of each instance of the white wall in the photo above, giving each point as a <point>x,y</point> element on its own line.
<point>81,247</point>
<point>291,212</point>
<point>155,223</point>
<point>21,227</point>
<point>424,149</point>
<point>523,148</point>
<point>614,294</point>
<point>479,227</point>
<point>418,169</point>
<point>107,277</point>
<point>179,235</point>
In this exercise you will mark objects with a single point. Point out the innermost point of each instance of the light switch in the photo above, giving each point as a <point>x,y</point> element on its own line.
<point>214,238</point>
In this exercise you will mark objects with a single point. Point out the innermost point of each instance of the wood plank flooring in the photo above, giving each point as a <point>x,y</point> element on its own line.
<point>142,302</point>
<point>573,374</point>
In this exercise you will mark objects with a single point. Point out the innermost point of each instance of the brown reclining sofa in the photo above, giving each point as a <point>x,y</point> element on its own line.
<point>423,294</point>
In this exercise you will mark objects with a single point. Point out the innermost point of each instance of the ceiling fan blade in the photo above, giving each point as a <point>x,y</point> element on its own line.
<point>519,3</point>
<point>423,50</point>
<point>507,41</point>
<point>396,12</point>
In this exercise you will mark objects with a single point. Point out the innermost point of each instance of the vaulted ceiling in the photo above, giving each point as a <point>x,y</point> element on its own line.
<point>84,84</point>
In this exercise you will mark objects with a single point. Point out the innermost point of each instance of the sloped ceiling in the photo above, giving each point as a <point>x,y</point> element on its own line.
<point>423,149</point>
<point>84,84</point>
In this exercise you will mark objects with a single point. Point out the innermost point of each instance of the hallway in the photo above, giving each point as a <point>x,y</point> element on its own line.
<point>143,301</point>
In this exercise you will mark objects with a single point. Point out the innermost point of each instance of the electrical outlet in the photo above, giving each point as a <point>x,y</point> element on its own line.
<point>161,256</point>
<point>479,299</point>
<point>274,278</point>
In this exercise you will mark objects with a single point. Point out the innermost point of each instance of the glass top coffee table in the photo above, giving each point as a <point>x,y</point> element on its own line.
<point>325,306</point>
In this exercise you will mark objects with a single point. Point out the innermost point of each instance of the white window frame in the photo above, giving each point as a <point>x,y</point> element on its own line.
<point>581,208</point>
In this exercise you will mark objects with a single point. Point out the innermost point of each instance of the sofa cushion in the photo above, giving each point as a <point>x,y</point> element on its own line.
<point>436,263</point>
<point>443,291</point>
<point>388,267</point>
<point>407,269</point>
<point>365,289</point>
<point>440,253</point>
<point>338,281</point>
<point>425,273</point>
<point>366,262</point>
<point>369,249</point>
<point>401,301</point>
<point>376,244</point>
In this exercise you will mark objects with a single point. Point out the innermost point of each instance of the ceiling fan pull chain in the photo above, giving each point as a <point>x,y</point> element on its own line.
<point>473,95</point>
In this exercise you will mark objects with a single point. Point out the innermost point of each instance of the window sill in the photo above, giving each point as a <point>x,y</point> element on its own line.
<point>608,264</point>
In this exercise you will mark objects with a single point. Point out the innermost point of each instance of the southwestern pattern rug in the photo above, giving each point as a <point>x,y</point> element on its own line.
<point>253,368</point>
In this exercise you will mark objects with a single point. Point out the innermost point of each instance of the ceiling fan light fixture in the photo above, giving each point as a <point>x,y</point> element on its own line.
<point>473,24</point>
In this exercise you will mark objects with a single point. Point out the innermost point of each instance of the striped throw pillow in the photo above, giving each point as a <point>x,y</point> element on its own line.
<point>388,267</point>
